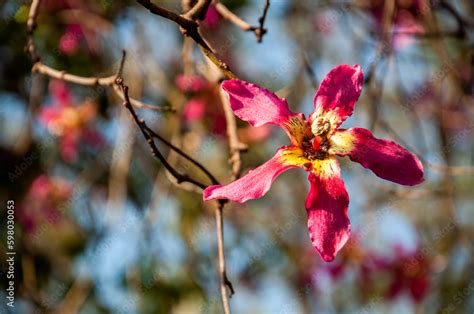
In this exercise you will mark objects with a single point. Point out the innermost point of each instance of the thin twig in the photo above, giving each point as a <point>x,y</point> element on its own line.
<point>224,281</point>
<point>182,21</point>
<point>309,70</point>
<point>452,170</point>
<point>198,11</point>
<point>31,26</point>
<point>75,297</point>
<point>181,153</point>
<point>39,67</point>
<point>180,177</point>
<point>385,37</point>
<point>227,14</point>
<point>235,145</point>
<point>261,30</point>
<point>383,50</point>
<point>233,18</point>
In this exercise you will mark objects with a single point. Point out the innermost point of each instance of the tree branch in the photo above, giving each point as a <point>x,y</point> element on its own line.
<point>224,281</point>
<point>180,177</point>
<point>39,67</point>
<point>189,28</point>
<point>198,11</point>
<point>261,30</point>
<point>241,23</point>
<point>235,146</point>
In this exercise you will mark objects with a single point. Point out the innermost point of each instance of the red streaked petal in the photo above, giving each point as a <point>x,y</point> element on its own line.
<point>339,91</point>
<point>326,205</point>
<point>259,106</point>
<point>385,158</point>
<point>259,180</point>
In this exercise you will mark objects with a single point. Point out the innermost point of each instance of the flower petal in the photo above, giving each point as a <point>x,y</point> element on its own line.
<point>385,158</point>
<point>326,205</point>
<point>259,106</point>
<point>258,181</point>
<point>339,91</point>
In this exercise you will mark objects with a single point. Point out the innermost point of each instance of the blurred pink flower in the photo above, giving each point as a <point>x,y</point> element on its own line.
<point>252,134</point>
<point>410,273</point>
<point>42,201</point>
<point>213,18</point>
<point>190,83</point>
<point>194,110</point>
<point>204,106</point>
<point>406,24</point>
<point>68,121</point>
<point>405,29</point>
<point>69,41</point>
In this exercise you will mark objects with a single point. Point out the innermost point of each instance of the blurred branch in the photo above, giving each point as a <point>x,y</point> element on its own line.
<point>75,297</point>
<point>241,23</point>
<point>452,170</point>
<point>261,31</point>
<point>31,26</point>
<point>235,145</point>
<point>224,281</point>
<point>234,18</point>
<point>463,23</point>
<point>198,11</point>
<point>383,50</point>
<point>385,37</point>
<point>309,70</point>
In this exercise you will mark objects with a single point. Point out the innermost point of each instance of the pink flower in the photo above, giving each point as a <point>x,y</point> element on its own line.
<point>406,23</point>
<point>410,272</point>
<point>68,121</point>
<point>190,83</point>
<point>314,144</point>
<point>69,41</point>
<point>405,29</point>
<point>194,110</point>
<point>43,201</point>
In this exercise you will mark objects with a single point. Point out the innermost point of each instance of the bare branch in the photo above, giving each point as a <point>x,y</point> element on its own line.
<point>180,177</point>
<point>233,18</point>
<point>198,11</point>
<point>241,23</point>
<point>181,153</point>
<point>31,26</point>
<point>261,30</point>
<point>224,281</point>
<point>235,146</point>
<point>190,28</point>
<point>182,21</point>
